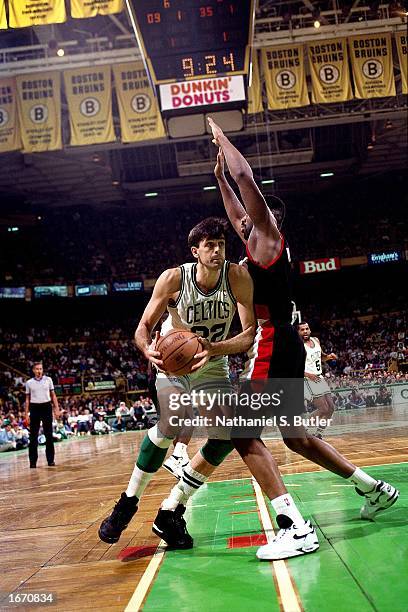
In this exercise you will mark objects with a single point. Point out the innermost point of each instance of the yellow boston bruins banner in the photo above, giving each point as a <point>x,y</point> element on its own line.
<point>39,111</point>
<point>255,91</point>
<point>329,71</point>
<point>3,20</point>
<point>90,8</point>
<point>401,40</point>
<point>139,115</point>
<point>89,96</point>
<point>9,132</point>
<point>284,73</point>
<point>25,13</point>
<point>371,59</point>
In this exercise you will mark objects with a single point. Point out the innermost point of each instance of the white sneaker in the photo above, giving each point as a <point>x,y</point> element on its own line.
<point>383,497</point>
<point>290,542</point>
<point>175,465</point>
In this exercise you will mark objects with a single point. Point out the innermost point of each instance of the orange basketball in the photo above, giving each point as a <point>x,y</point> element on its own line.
<point>177,349</point>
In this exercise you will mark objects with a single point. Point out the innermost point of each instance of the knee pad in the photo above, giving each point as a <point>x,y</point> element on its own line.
<point>215,451</point>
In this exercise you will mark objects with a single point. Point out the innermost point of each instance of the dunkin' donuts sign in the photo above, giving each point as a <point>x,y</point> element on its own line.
<point>320,265</point>
<point>202,92</point>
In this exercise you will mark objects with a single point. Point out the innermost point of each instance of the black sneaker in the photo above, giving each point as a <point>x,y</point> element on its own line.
<point>51,464</point>
<point>170,526</point>
<point>112,527</point>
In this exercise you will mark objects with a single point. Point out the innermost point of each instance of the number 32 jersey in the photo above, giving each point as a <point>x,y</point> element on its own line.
<point>206,314</point>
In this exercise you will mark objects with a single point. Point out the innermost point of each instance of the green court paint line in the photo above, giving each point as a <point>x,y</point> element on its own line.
<point>374,554</point>
<point>360,565</point>
<point>212,576</point>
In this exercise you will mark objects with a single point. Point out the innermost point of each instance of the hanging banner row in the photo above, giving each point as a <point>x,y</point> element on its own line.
<point>25,13</point>
<point>30,108</point>
<point>284,72</point>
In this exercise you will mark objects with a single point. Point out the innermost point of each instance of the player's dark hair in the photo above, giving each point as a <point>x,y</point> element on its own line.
<point>277,207</point>
<point>302,323</point>
<point>37,363</point>
<point>212,227</point>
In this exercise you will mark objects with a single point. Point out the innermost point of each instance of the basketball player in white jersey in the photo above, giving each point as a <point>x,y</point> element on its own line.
<point>316,388</point>
<point>283,359</point>
<point>201,297</point>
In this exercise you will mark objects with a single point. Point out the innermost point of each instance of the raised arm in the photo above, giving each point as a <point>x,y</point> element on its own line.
<point>241,172</point>
<point>233,207</point>
<point>167,284</point>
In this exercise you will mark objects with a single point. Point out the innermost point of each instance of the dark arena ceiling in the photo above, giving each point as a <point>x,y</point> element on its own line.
<point>293,148</point>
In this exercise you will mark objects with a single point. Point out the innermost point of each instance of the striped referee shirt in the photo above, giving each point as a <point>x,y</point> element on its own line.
<point>39,389</point>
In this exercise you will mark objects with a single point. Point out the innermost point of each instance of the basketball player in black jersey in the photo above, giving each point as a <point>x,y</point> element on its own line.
<point>278,352</point>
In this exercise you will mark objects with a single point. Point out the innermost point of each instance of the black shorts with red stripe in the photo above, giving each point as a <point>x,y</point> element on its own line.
<point>276,364</point>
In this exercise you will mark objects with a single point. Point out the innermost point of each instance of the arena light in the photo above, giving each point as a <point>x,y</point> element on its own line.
<point>325,174</point>
<point>267,181</point>
<point>12,229</point>
<point>151,194</point>
<point>209,188</point>
<point>60,52</point>
<point>316,24</point>
<point>115,183</point>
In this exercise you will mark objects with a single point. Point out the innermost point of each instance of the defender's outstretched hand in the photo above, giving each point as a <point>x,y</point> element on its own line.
<point>220,165</point>
<point>216,130</point>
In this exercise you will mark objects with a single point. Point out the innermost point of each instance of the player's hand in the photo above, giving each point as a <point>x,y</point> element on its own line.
<point>203,357</point>
<point>219,167</point>
<point>152,354</point>
<point>216,131</point>
<point>312,377</point>
<point>331,356</point>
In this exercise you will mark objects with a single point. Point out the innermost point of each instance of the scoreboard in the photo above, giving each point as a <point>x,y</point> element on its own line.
<point>193,40</point>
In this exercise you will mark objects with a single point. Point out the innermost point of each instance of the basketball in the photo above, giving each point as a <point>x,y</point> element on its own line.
<point>178,348</point>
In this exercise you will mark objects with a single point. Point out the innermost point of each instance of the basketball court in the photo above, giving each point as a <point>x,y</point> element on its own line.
<point>50,518</point>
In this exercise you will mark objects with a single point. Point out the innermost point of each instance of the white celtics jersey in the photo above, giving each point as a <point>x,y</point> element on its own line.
<point>313,357</point>
<point>206,314</point>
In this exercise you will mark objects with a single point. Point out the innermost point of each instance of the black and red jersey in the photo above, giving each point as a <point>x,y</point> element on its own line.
<point>272,286</point>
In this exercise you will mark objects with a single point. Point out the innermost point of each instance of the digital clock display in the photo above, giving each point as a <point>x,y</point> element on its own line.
<point>186,39</point>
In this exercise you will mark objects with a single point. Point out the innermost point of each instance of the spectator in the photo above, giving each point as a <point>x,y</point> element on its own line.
<point>118,424</point>
<point>7,437</point>
<point>101,427</point>
<point>84,422</point>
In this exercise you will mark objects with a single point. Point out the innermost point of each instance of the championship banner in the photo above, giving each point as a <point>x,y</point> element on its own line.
<point>329,71</point>
<point>255,91</point>
<point>89,97</point>
<point>371,59</point>
<point>139,115</point>
<point>401,40</point>
<point>24,13</point>
<point>3,20</point>
<point>39,111</point>
<point>9,132</point>
<point>91,8</point>
<point>284,73</point>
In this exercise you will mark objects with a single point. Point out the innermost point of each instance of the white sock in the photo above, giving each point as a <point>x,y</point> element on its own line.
<point>180,450</point>
<point>184,489</point>
<point>155,445</point>
<point>284,504</point>
<point>138,482</point>
<point>363,481</point>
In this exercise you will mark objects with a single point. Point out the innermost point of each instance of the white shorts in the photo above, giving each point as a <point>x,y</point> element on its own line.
<point>316,389</point>
<point>213,376</point>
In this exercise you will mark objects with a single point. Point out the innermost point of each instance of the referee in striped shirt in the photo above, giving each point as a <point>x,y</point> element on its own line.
<point>40,398</point>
